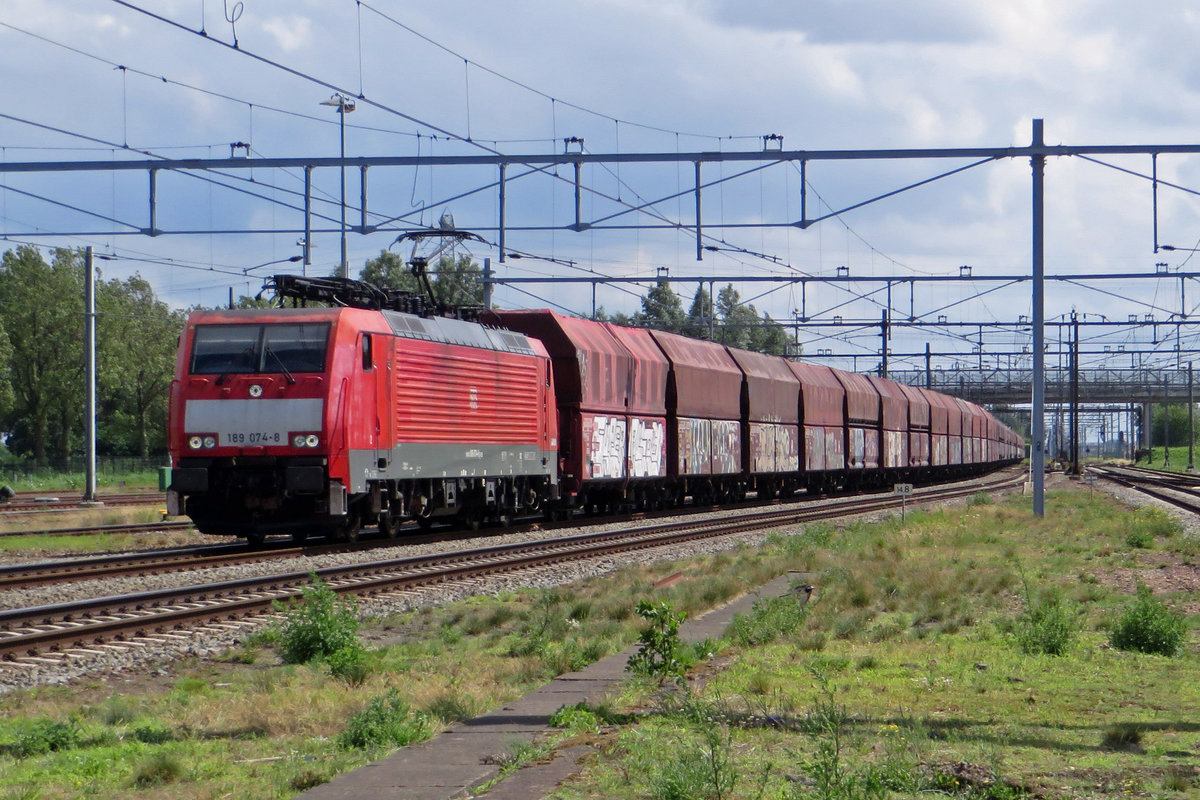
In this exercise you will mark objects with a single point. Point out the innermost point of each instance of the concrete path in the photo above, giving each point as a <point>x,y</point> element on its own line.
<point>462,757</point>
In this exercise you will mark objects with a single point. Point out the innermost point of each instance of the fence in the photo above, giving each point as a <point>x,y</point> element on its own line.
<point>105,465</point>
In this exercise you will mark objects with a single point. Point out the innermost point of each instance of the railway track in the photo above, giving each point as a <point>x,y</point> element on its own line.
<point>1178,489</point>
<point>132,527</point>
<point>48,501</point>
<point>207,556</point>
<point>49,634</point>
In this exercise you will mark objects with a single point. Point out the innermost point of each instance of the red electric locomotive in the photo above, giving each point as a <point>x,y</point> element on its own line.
<point>295,419</point>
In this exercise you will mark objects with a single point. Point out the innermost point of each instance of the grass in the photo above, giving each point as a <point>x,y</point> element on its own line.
<point>903,675</point>
<point>41,544</point>
<point>908,675</point>
<point>49,481</point>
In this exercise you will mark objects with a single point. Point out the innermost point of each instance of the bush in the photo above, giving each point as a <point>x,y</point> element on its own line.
<point>157,769</point>
<point>1047,628</point>
<point>349,664</point>
<point>385,722</point>
<point>42,735</point>
<point>703,771</point>
<point>319,626</point>
<point>1140,539</point>
<point>153,733</point>
<point>1147,626</point>
<point>451,707</point>
<point>770,618</point>
<point>660,652</point>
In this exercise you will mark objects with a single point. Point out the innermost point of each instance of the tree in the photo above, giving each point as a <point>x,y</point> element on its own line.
<point>737,319</point>
<point>619,318</point>
<point>388,271</point>
<point>1176,426</point>
<point>41,305</point>
<point>661,309</point>
<point>742,327</point>
<point>770,337</point>
<point>6,394</point>
<point>137,336</point>
<point>456,280</point>
<point>698,324</point>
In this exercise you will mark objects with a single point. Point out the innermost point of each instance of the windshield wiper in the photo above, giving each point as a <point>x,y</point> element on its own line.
<point>283,367</point>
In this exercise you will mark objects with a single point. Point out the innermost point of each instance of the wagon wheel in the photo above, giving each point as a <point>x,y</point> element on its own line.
<point>256,537</point>
<point>471,517</point>
<point>299,536</point>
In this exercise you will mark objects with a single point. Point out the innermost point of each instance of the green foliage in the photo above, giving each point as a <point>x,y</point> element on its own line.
<point>157,769</point>
<point>456,280</point>
<point>699,772</point>
<point>1176,427</point>
<point>577,718</point>
<point>1145,525</point>
<point>319,626</point>
<point>1139,539</point>
<point>699,315</point>
<point>388,271</point>
<point>661,309</point>
<point>137,335</point>
<point>831,774</point>
<point>152,733</point>
<point>742,327</point>
<point>41,391</point>
<point>1147,626</point>
<point>1047,627</point>
<point>387,721</point>
<point>585,716</point>
<point>659,648</point>
<point>39,305</point>
<point>451,707</point>
<point>770,618</point>
<point>40,735</point>
<point>980,499</point>
<point>349,664</point>
<point>1122,736</point>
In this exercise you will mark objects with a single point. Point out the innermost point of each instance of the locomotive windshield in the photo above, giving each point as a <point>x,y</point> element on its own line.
<point>277,347</point>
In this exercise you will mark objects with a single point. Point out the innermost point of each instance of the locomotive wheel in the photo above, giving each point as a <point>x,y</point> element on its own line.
<point>351,528</point>
<point>424,522</point>
<point>389,526</point>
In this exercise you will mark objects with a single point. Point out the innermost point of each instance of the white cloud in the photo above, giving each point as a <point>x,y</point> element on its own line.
<point>291,32</point>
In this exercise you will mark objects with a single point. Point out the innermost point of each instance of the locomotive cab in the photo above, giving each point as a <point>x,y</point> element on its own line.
<point>248,428</point>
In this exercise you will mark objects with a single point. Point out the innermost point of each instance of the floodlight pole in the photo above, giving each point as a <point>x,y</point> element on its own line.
<point>344,106</point>
<point>1037,453</point>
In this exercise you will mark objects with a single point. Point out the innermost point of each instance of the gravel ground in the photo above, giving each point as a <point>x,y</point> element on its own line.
<point>155,652</point>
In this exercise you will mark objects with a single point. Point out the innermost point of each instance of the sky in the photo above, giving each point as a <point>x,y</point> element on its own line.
<point>100,80</point>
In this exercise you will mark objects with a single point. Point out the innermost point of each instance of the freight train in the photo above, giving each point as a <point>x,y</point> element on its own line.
<point>330,418</point>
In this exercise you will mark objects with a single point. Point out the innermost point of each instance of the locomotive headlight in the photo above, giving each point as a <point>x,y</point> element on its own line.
<point>195,443</point>
<point>298,440</point>
<point>210,441</point>
<point>312,440</point>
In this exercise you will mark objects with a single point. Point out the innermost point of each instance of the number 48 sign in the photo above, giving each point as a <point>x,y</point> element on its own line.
<point>904,490</point>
